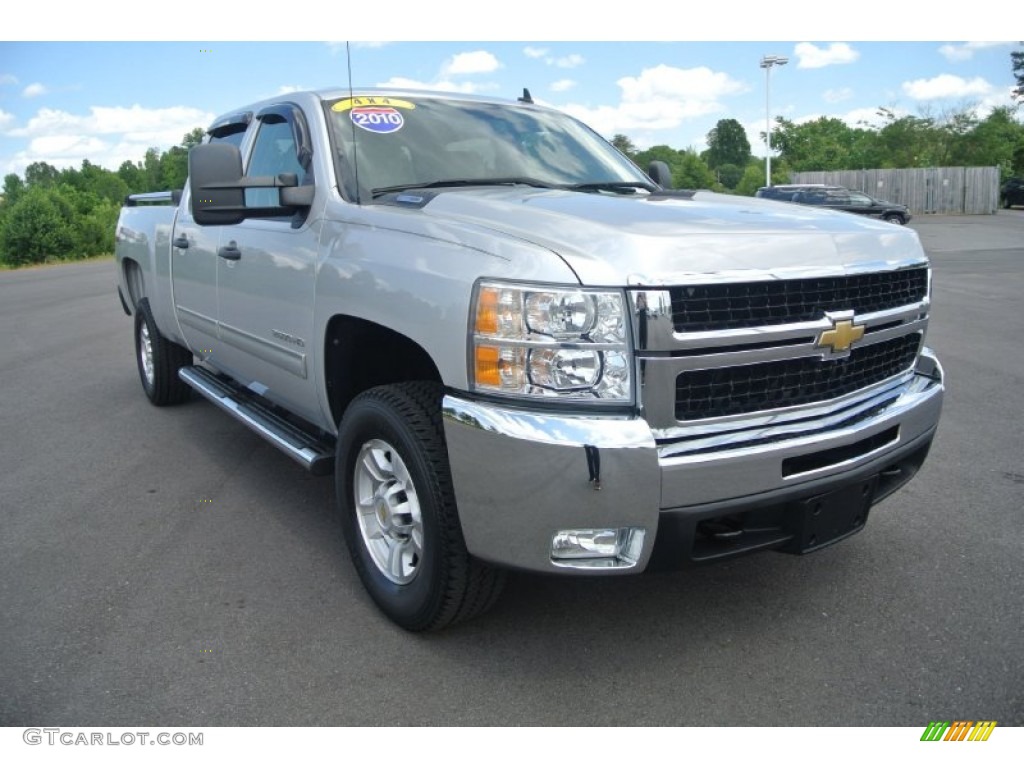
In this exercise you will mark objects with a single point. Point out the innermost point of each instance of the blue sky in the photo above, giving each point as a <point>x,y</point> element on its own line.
<point>108,101</point>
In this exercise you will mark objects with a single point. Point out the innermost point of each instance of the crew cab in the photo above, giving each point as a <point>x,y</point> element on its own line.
<point>515,350</point>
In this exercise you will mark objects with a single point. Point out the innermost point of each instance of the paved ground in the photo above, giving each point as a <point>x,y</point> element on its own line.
<point>165,566</point>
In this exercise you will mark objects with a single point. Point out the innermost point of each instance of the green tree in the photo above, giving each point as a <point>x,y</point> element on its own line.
<point>14,187</point>
<point>692,172</point>
<point>689,171</point>
<point>132,175</point>
<point>727,145</point>
<point>41,174</point>
<point>151,171</point>
<point>825,144</point>
<point>193,138</point>
<point>1017,59</point>
<point>751,180</point>
<point>38,227</point>
<point>173,168</point>
<point>729,175</point>
<point>996,140</point>
<point>622,143</point>
<point>911,142</point>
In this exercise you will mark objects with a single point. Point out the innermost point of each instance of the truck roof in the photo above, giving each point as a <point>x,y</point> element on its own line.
<point>307,97</point>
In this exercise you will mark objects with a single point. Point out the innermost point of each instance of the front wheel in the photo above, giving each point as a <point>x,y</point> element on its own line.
<point>159,360</point>
<point>894,218</point>
<point>398,510</point>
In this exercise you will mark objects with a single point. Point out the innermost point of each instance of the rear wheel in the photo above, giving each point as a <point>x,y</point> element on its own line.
<point>159,360</point>
<point>398,510</point>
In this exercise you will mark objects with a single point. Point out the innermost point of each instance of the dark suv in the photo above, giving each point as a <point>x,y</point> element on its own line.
<point>1013,192</point>
<point>837,198</point>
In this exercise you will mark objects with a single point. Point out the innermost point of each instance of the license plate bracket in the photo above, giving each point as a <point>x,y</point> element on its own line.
<point>829,517</point>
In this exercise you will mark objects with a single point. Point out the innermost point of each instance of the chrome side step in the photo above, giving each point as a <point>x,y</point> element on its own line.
<point>310,451</point>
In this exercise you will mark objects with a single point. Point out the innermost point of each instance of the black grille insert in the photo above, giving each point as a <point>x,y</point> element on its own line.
<point>773,302</point>
<point>716,392</point>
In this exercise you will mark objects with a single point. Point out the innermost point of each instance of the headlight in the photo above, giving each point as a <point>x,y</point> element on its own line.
<point>541,341</point>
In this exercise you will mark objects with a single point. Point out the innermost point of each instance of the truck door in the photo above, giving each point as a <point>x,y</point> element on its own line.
<point>194,261</point>
<point>265,274</point>
<point>194,281</point>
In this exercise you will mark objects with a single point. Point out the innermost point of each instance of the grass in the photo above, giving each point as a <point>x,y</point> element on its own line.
<point>5,267</point>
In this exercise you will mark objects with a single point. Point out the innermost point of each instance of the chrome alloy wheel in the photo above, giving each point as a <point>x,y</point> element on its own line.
<point>388,511</point>
<point>146,354</point>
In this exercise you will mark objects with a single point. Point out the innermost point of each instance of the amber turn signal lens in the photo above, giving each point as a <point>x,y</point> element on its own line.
<point>487,313</point>
<point>488,366</point>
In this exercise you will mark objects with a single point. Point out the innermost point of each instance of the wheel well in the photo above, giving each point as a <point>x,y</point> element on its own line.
<point>133,279</point>
<point>359,355</point>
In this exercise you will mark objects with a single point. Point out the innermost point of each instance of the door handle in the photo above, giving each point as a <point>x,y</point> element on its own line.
<point>180,242</point>
<point>230,251</point>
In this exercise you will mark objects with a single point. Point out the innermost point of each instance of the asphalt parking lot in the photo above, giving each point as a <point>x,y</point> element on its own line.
<point>167,566</point>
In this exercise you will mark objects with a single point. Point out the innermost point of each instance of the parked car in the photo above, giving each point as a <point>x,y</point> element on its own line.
<point>1013,192</point>
<point>838,198</point>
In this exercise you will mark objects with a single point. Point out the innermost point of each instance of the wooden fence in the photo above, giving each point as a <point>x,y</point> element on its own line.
<point>922,190</point>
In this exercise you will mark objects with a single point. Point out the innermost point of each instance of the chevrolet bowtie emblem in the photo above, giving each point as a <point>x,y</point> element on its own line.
<point>843,335</point>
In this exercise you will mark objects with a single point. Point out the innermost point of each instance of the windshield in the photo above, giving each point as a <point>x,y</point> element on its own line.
<point>410,141</point>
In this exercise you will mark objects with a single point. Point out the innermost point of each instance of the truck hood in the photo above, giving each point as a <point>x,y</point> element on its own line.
<point>609,239</point>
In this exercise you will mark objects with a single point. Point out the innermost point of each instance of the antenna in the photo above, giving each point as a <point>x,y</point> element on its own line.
<point>526,98</point>
<point>355,152</point>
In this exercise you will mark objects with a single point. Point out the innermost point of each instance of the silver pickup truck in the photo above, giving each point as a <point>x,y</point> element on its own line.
<point>515,350</point>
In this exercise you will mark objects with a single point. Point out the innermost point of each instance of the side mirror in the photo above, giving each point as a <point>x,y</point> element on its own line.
<point>209,167</point>
<point>218,188</point>
<point>660,174</point>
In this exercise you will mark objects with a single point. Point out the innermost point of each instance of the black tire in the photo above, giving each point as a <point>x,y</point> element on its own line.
<point>894,218</point>
<point>160,383</point>
<point>438,582</point>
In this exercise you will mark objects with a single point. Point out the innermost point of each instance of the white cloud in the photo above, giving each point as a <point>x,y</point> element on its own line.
<point>659,98</point>
<point>471,63</point>
<point>567,62</point>
<point>562,85</point>
<point>285,89</point>
<point>6,79</point>
<point>813,57</point>
<point>6,118</point>
<point>965,51</point>
<point>835,95</point>
<point>947,87</point>
<point>168,123</point>
<point>106,136</point>
<point>438,85</point>
<point>534,53</point>
<point>33,90</point>
<point>869,117</point>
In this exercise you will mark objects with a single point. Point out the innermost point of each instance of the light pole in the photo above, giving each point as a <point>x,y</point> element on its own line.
<point>767,62</point>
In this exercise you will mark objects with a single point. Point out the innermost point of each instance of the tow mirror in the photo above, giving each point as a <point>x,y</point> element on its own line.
<point>660,174</point>
<point>218,188</point>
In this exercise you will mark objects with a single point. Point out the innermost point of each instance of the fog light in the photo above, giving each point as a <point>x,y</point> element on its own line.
<point>597,547</point>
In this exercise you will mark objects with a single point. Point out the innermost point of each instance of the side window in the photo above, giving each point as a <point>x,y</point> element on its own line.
<point>274,152</point>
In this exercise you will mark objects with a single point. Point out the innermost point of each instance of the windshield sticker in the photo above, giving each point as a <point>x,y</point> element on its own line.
<point>371,101</point>
<point>378,119</point>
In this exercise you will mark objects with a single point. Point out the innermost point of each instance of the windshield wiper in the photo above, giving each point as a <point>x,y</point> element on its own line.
<point>612,186</point>
<point>379,191</point>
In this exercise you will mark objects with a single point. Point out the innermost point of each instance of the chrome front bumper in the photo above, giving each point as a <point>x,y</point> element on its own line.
<point>521,476</point>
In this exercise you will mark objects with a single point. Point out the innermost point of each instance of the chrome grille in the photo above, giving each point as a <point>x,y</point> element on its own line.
<point>721,306</point>
<point>717,392</point>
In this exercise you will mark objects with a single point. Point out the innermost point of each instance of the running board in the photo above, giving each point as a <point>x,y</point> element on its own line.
<point>311,452</point>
